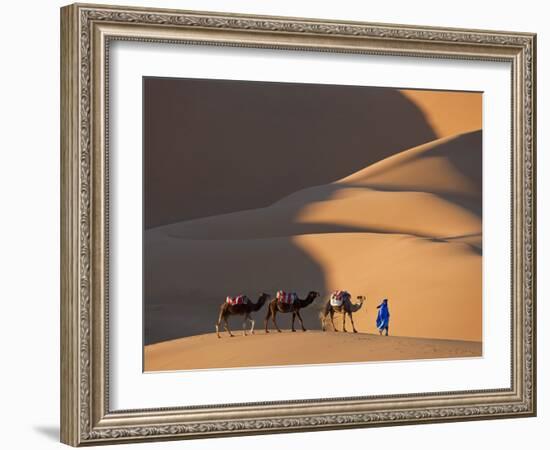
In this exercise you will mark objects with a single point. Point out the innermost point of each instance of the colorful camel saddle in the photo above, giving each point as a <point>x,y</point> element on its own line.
<point>286,297</point>
<point>238,300</point>
<point>337,297</point>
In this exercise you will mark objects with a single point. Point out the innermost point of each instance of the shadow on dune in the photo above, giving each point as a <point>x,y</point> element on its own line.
<point>217,146</point>
<point>463,153</point>
<point>187,281</point>
<point>475,247</point>
<point>190,267</point>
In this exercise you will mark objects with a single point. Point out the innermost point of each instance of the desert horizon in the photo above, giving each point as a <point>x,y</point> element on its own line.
<point>405,225</point>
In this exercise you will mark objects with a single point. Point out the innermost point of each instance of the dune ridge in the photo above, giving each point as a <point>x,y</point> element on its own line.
<point>450,200</point>
<point>407,228</point>
<point>194,131</point>
<point>285,348</point>
<point>450,112</point>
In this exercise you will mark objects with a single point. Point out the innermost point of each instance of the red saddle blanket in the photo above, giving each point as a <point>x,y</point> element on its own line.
<point>238,300</point>
<point>286,297</point>
<point>338,297</point>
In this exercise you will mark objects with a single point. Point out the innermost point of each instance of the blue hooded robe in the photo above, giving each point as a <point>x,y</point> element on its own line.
<point>383,319</point>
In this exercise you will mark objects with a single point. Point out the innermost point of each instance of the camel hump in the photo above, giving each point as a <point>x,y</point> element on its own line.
<point>236,300</point>
<point>338,297</point>
<point>286,297</point>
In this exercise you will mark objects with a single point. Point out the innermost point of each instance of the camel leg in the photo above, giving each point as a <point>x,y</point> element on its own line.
<point>293,317</point>
<point>273,316</point>
<point>244,325</point>
<point>344,322</point>
<point>226,325</point>
<point>332,320</point>
<point>252,321</point>
<point>218,328</point>
<point>301,321</point>
<point>352,323</point>
<point>267,317</point>
<point>324,317</point>
<point>218,323</point>
<point>249,319</point>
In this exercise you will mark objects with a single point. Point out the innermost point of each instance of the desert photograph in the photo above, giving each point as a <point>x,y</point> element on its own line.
<point>291,224</point>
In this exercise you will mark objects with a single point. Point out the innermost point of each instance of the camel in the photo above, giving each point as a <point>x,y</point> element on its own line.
<point>275,306</point>
<point>347,307</point>
<point>245,309</point>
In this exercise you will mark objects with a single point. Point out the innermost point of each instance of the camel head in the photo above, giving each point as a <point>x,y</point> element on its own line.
<point>264,297</point>
<point>313,295</point>
<point>261,300</point>
<point>357,306</point>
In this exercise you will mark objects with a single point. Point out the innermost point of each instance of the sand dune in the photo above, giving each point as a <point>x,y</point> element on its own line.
<point>207,351</point>
<point>407,228</point>
<point>349,209</point>
<point>392,196</point>
<point>448,165</point>
<point>434,287</point>
<point>448,113</point>
<point>235,135</point>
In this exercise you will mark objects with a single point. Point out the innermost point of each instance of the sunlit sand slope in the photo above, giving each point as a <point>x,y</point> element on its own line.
<point>314,347</point>
<point>407,228</point>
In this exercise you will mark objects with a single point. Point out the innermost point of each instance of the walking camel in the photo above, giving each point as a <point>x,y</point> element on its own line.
<point>276,306</point>
<point>346,308</point>
<point>245,308</point>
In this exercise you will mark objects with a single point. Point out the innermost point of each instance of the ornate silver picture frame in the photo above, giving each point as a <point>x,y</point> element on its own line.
<point>87,32</point>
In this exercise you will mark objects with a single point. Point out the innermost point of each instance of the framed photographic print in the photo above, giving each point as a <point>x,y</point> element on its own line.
<point>267,221</point>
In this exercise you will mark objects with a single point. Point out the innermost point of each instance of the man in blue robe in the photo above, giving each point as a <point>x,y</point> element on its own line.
<point>383,319</point>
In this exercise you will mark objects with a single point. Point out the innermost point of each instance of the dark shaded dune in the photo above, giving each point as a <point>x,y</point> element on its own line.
<point>307,223</point>
<point>217,146</point>
<point>387,197</point>
<point>459,159</point>
<point>466,156</point>
<point>217,233</point>
<point>299,229</point>
<point>462,152</point>
<point>186,282</point>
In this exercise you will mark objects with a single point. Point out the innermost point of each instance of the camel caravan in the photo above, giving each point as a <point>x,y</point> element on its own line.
<point>339,302</point>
